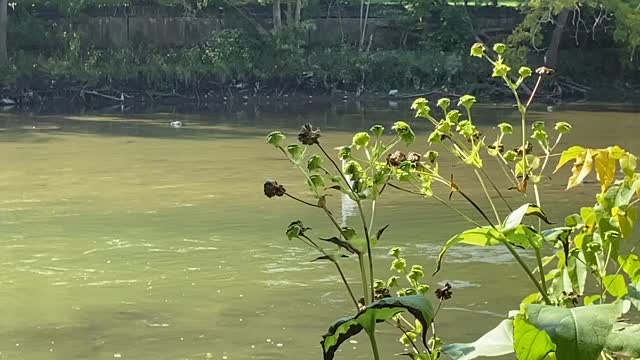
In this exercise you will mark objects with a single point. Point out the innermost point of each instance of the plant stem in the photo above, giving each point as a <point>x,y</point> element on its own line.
<point>363,275</point>
<point>346,284</point>
<point>356,197</point>
<point>526,269</point>
<point>486,193</point>
<point>300,200</point>
<point>495,187</point>
<point>374,343</point>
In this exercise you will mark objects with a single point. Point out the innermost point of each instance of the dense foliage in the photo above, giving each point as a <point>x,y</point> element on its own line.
<point>583,288</point>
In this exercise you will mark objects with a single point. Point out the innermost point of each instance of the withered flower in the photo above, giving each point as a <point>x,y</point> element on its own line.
<point>396,158</point>
<point>381,293</point>
<point>497,147</point>
<point>444,293</point>
<point>414,157</point>
<point>528,149</point>
<point>272,188</point>
<point>309,135</point>
<point>543,70</point>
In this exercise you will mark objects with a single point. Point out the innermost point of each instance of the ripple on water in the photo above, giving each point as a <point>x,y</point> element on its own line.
<point>471,254</point>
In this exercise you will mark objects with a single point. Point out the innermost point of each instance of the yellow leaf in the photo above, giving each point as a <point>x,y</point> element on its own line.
<point>581,168</point>
<point>616,152</point>
<point>571,153</point>
<point>605,169</point>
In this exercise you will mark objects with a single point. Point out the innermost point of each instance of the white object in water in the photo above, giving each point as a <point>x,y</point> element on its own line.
<point>549,108</point>
<point>394,92</point>
<point>176,124</point>
<point>7,101</point>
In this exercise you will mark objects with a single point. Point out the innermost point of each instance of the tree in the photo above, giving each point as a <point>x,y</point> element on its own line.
<point>539,13</point>
<point>3,31</point>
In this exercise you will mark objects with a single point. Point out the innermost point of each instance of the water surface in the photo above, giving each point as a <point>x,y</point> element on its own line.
<point>123,237</point>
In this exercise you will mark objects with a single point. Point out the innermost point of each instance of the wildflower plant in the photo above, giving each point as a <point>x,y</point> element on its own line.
<point>582,289</point>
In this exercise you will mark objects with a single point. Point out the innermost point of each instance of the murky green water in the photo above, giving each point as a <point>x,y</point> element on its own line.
<point>121,237</point>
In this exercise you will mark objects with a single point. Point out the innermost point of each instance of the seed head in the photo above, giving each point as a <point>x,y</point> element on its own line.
<point>309,135</point>
<point>444,293</point>
<point>396,158</point>
<point>272,188</point>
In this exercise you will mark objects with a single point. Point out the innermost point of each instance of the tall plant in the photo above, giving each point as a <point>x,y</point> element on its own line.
<point>590,279</point>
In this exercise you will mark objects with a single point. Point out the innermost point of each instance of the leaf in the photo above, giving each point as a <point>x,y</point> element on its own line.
<point>523,237</point>
<point>529,342</point>
<point>615,285</point>
<point>381,231</point>
<point>296,152</point>
<point>515,217</point>
<point>577,271</point>
<point>496,342</point>
<point>563,127</point>
<point>314,163</point>
<point>581,168</point>
<point>328,257</point>
<point>624,340</point>
<point>505,128</point>
<point>579,333</point>
<point>481,236</point>
<point>571,153</point>
<point>605,169</point>
<point>634,293</point>
<point>378,311</point>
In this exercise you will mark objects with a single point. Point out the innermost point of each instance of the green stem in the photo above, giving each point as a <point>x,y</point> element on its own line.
<point>526,269</point>
<point>363,275</point>
<point>346,284</point>
<point>537,250</point>
<point>374,343</point>
<point>495,187</point>
<point>486,193</point>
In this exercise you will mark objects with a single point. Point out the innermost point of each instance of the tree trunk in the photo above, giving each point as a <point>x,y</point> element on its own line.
<point>3,31</point>
<point>289,13</point>
<point>298,11</point>
<point>551,56</point>
<point>277,15</point>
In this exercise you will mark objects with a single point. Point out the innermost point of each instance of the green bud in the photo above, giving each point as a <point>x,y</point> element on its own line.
<point>499,48</point>
<point>404,131</point>
<point>453,116</point>
<point>510,155</point>
<point>563,127</point>
<point>477,50</point>
<point>423,288</point>
<point>345,153</point>
<point>275,138</point>
<point>432,155</point>
<point>416,273</point>
<point>538,125</point>
<point>378,284</point>
<point>444,103</point>
<point>377,130</point>
<point>524,72</point>
<point>361,139</point>
<point>392,282</point>
<point>505,128</point>
<point>398,264</point>
<point>395,252</point>
<point>467,101</point>
<point>435,137</point>
<point>500,70</point>
<point>296,152</point>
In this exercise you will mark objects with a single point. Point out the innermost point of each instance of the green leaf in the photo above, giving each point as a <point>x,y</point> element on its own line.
<point>624,340</point>
<point>579,333</point>
<point>634,293</point>
<point>499,48</point>
<point>342,243</point>
<point>275,138</point>
<point>529,342</point>
<point>295,229</point>
<point>296,152</point>
<point>496,342</point>
<point>524,72</point>
<point>505,128</point>
<point>404,131</point>
<point>381,231</point>
<point>523,237</point>
<point>510,155</point>
<point>615,285</point>
<point>314,163</point>
<point>481,236</point>
<point>361,139</point>
<point>316,181</point>
<point>377,130</point>
<point>378,311</point>
<point>515,217</point>
<point>563,127</point>
<point>477,50</point>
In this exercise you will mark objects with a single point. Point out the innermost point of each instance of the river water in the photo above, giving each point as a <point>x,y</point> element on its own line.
<point>122,237</point>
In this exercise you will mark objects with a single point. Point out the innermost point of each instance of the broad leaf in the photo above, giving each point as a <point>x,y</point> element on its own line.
<point>624,340</point>
<point>605,169</point>
<point>571,153</point>
<point>482,236</point>
<point>581,168</point>
<point>579,333</point>
<point>381,231</point>
<point>343,244</point>
<point>615,285</point>
<point>524,237</point>
<point>515,217</point>
<point>496,342</point>
<point>378,311</point>
<point>530,343</point>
